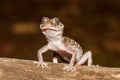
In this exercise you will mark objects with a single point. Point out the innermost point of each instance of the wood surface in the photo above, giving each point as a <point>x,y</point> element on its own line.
<point>18,69</point>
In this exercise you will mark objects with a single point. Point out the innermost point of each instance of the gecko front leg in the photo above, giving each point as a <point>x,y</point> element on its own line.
<point>72,62</point>
<point>70,66</point>
<point>40,57</point>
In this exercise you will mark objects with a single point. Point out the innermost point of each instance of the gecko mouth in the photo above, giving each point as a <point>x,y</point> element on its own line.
<point>44,29</point>
<point>49,28</point>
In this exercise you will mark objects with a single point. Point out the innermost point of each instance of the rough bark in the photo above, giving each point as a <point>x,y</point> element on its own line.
<point>17,69</point>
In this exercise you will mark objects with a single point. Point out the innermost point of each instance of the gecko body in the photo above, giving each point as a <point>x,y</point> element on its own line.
<point>67,48</point>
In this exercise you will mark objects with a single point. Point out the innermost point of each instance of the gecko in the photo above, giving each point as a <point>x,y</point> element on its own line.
<point>62,45</point>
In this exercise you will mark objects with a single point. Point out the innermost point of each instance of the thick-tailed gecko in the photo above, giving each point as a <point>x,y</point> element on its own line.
<point>53,31</point>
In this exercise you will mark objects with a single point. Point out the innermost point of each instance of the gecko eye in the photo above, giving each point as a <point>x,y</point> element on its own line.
<point>61,26</point>
<point>57,21</point>
<point>44,19</point>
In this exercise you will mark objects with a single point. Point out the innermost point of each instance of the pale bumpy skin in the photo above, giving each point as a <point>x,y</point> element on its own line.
<point>53,31</point>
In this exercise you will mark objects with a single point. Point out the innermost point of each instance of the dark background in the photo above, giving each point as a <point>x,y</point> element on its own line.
<point>95,24</point>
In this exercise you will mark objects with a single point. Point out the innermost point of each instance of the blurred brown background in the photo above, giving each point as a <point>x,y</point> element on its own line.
<point>95,24</point>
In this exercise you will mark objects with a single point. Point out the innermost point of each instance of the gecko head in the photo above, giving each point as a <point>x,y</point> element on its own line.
<point>53,24</point>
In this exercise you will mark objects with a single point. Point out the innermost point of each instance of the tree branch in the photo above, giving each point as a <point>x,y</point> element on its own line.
<point>18,69</point>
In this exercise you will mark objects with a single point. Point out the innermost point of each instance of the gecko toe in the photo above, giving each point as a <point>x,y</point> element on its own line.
<point>69,68</point>
<point>42,64</point>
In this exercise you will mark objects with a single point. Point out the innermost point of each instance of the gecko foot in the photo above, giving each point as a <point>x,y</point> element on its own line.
<point>95,65</point>
<point>42,64</point>
<point>69,68</point>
